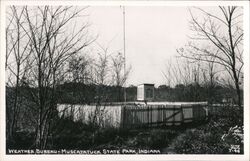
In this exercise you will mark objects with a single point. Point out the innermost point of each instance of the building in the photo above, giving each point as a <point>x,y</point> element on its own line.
<point>145,92</point>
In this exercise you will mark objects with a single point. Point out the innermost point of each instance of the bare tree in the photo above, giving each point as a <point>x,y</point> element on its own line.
<point>101,65</point>
<point>53,42</point>
<point>223,36</point>
<point>119,76</point>
<point>79,69</point>
<point>210,79</point>
<point>167,73</point>
<point>17,53</point>
<point>180,71</point>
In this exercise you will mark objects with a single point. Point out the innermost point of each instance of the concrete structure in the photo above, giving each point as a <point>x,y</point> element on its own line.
<point>145,92</point>
<point>136,114</point>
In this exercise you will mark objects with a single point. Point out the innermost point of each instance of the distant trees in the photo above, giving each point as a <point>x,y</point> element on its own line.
<point>181,71</point>
<point>119,76</point>
<point>109,71</point>
<point>78,69</point>
<point>218,38</point>
<point>99,69</point>
<point>101,66</point>
<point>210,78</point>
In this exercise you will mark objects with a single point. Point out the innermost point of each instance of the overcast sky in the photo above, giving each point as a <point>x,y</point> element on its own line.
<point>152,36</point>
<point>153,33</point>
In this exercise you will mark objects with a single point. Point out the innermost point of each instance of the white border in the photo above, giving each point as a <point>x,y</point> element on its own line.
<point>244,157</point>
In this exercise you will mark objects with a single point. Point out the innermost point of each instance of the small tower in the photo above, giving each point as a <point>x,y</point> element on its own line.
<point>145,92</point>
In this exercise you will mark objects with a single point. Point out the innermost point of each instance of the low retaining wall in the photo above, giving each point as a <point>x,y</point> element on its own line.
<point>136,114</point>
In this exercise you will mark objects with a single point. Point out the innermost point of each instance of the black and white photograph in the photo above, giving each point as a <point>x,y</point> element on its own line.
<point>125,79</point>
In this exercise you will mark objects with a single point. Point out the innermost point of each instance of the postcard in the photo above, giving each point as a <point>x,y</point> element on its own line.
<point>124,80</point>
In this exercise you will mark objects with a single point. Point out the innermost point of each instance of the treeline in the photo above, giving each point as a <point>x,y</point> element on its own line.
<point>80,93</point>
<point>195,92</point>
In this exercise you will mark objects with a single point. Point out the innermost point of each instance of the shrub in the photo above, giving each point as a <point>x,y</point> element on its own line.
<point>209,138</point>
<point>195,141</point>
<point>151,138</point>
<point>234,138</point>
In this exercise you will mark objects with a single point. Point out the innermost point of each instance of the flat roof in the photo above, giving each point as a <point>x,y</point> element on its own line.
<point>147,84</point>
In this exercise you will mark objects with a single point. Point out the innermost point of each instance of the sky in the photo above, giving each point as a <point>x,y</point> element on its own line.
<point>152,35</point>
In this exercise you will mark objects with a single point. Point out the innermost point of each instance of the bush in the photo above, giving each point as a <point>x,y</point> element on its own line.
<point>234,138</point>
<point>209,139</point>
<point>195,141</point>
